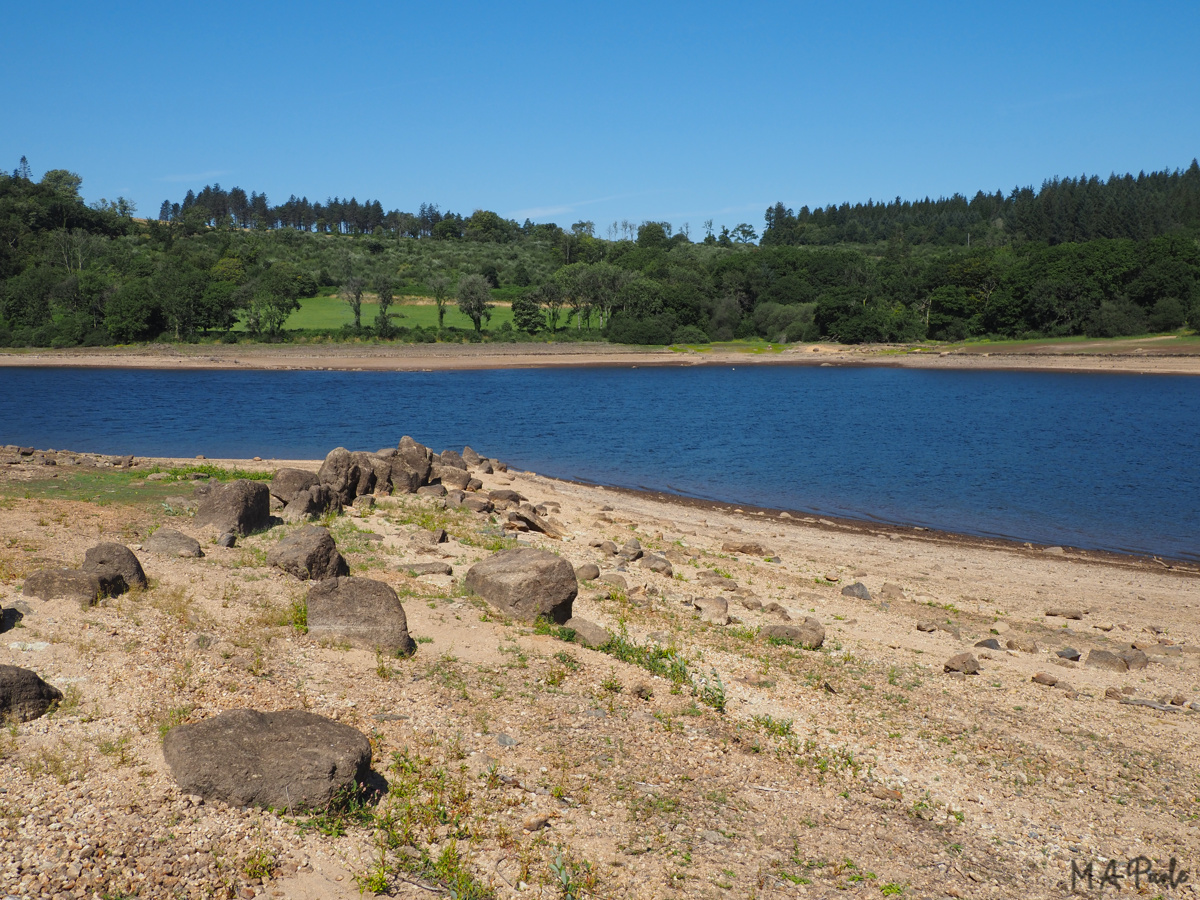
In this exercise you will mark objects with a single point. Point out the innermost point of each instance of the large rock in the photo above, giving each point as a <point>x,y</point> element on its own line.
<point>287,760</point>
<point>525,584</point>
<point>310,503</point>
<point>417,457</point>
<point>657,563</point>
<point>452,477</point>
<point>857,590</point>
<point>381,471</point>
<point>453,459</point>
<point>403,477</point>
<point>965,663</point>
<point>110,561</point>
<point>347,474</point>
<point>241,507</point>
<point>309,552</point>
<point>169,542</point>
<point>471,458</point>
<point>364,612</point>
<point>714,610</point>
<point>588,633</point>
<point>1106,659</point>
<point>809,634</point>
<point>746,548</point>
<point>83,588</point>
<point>23,695</point>
<point>287,483</point>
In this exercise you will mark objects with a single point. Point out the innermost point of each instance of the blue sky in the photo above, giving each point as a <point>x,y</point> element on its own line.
<point>560,112</point>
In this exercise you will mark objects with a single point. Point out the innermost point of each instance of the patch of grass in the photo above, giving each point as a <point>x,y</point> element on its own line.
<point>777,727</point>
<point>298,616</point>
<point>176,715</point>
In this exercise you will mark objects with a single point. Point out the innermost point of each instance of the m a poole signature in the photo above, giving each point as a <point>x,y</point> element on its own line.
<point>1135,873</point>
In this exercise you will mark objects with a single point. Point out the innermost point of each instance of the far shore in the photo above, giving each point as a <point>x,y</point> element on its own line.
<point>1158,355</point>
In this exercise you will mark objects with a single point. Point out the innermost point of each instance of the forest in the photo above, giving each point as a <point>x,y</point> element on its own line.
<point>1078,256</point>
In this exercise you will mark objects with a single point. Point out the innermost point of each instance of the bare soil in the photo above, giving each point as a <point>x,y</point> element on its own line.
<point>528,766</point>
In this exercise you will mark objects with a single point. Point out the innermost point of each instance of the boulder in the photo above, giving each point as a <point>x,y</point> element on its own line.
<point>84,588</point>
<point>505,495</point>
<point>480,505</point>
<point>1106,659</point>
<point>452,459</point>
<point>517,520</point>
<point>858,589</point>
<point>588,633</point>
<point>632,550</point>
<point>809,634</point>
<point>471,458</point>
<point>587,572</point>
<point>241,507</point>
<point>309,552</point>
<point>381,474</point>
<point>431,490</point>
<point>427,568</point>
<point>453,478</point>
<point>714,610</point>
<point>1063,612</point>
<point>526,584</point>
<point>1045,678</point>
<point>417,457</point>
<point>1025,645</point>
<point>962,662</point>
<point>110,561</point>
<point>310,503</point>
<point>169,542</point>
<point>287,483</point>
<point>656,563</point>
<point>364,612</point>
<point>288,760</point>
<point>1134,659</point>
<point>988,644</point>
<point>347,474</point>
<point>616,580</point>
<point>1068,653</point>
<point>23,694</point>
<point>403,477</point>
<point>227,540</point>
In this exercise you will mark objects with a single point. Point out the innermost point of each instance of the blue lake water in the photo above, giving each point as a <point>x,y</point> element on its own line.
<point>1095,461</point>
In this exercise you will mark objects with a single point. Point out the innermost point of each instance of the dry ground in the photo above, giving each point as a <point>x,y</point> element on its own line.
<point>859,770</point>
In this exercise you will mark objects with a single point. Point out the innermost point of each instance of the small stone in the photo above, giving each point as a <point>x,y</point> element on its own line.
<point>988,644</point>
<point>505,740</point>
<point>1063,612</point>
<point>1068,653</point>
<point>962,662</point>
<point>858,590</point>
<point>536,822</point>
<point>927,626</point>
<point>1045,678</point>
<point>227,540</point>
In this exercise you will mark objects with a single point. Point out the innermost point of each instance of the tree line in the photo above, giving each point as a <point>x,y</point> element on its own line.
<point>1078,256</point>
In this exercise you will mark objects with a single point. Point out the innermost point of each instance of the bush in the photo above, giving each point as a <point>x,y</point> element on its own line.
<point>689,334</point>
<point>1167,315</point>
<point>1115,318</point>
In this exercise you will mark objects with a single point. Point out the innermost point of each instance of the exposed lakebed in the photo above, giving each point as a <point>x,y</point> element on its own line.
<point>1096,461</point>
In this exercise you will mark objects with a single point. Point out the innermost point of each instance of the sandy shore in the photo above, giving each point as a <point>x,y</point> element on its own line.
<point>1156,355</point>
<point>830,772</point>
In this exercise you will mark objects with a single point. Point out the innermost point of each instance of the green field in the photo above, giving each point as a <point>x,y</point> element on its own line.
<point>332,314</point>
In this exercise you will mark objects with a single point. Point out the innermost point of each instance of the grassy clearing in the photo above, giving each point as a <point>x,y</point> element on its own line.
<point>330,313</point>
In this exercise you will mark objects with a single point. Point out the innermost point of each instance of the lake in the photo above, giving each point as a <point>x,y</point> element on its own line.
<point>1097,461</point>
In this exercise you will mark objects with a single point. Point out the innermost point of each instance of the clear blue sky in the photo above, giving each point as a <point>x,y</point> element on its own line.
<point>603,111</point>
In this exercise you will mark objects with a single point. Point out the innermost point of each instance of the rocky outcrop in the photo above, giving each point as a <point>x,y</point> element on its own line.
<point>526,584</point>
<point>288,760</point>
<point>241,507</point>
<point>364,612</point>
<point>287,483</point>
<point>308,553</point>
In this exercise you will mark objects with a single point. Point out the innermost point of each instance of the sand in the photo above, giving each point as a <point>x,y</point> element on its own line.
<point>861,769</point>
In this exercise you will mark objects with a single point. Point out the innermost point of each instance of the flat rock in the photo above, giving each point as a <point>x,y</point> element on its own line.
<point>169,542</point>
<point>241,507</point>
<point>288,760</point>
<point>1064,612</point>
<point>1134,659</point>
<point>656,563</point>
<point>616,580</point>
<point>988,644</point>
<point>587,572</point>
<point>23,694</point>
<point>1068,653</point>
<point>588,633</point>
<point>1105,659</point>
<point>110,560</point>
<point>809,634</point>
<point>364,612</point>
<point>79,587</point>
<point>526,584</point>
<point>1045,678</point>
<point>427,568</point>
<point>714,610</point>
<point>927,627</point>
<point>746,548</point>
<point>1025,645</point>
<point>308,553</point>
<point>965,663</point>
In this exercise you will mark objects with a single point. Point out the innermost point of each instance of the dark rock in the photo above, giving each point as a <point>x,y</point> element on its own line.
<point>288,760</point>
<point>989,644</point>
<point>403,477</point>
<point>631,551</point>
<point>525,521</point>
<point>471,458</point>
<point>962,662</point>
<point>427,568</point>
<point>431,490</point>
<point>241,507</point>
<point>506,495</point>
<point>656,563</point>
<point>858,589</point>
<point>23,695</point>
<point>364,612</point>
<point>84,588</point>
<point>453,459</point>
<point>310,503</point>
<point>587,572</point>
<point>308,552</point>
<point>227,540</point>
<point>1104,659</point>
<point>169,542</point>
<point>525,584</point>
<point>287,483</point>
<point>417,457</point>
<point>617,581</point>
<point>608,547</point>
<point>1068,653</point>
<point>347,474</point>
<point>1045,678</point>
<point>110,559</point>
<point>588,633</point>
<point>809,634</point>
<point>453,478</point>
<point>480,505</point>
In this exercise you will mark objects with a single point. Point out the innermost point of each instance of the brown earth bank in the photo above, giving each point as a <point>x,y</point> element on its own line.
<point>1163,354</point>
<point>701,754</point>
